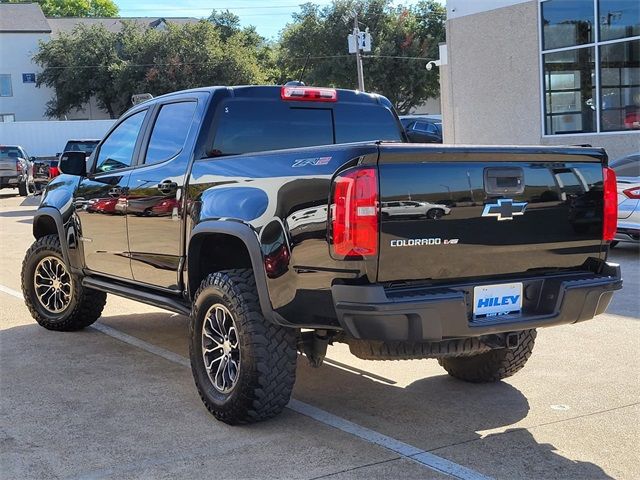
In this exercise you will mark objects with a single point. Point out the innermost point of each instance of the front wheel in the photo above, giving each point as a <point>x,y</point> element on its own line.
<point>243,365</point>
<point>435,213</point>
<point>493,365</point>
<point>54,296</point>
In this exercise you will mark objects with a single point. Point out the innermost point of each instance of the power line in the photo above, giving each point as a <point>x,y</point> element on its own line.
<point>179,64</point>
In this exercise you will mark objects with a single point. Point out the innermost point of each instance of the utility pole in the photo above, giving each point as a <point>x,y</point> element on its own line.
<point>356,34</point>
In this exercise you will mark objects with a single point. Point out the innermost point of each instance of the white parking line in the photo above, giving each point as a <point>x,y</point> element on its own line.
<point>415,454</point>
<point>11,291</point>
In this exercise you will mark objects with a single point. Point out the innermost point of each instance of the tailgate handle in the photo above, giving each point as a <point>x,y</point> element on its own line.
<point>501,180</point>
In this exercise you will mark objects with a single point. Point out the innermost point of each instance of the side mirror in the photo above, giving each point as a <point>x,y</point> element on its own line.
<point>32,159</point>
<point>74,163</point>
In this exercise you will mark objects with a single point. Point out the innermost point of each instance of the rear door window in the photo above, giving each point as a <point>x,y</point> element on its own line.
<point>170,131</point>
<point>255,126</point>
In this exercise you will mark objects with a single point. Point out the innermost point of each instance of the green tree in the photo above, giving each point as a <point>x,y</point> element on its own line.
<point>76,8</point>
<point>92,62</point>
<point>404,40</point>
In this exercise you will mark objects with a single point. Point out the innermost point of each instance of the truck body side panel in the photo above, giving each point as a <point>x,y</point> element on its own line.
<point>283,197</point>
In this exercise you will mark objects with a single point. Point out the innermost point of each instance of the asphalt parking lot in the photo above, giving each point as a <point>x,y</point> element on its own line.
<point>118,401</point>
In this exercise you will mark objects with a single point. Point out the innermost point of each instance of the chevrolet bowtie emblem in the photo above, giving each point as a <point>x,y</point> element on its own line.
<point>504,209</point>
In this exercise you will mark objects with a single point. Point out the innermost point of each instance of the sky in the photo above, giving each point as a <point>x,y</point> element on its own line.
<point>269,17</point>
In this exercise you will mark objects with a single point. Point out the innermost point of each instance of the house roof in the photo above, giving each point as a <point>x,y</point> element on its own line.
<point>66,25</point>
<point>22,18</point>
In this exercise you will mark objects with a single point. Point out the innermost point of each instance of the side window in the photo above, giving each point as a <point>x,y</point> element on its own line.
<point>420,127</point>
<point>431,128</point>
<point>170,131</point>
<point>117,150</point>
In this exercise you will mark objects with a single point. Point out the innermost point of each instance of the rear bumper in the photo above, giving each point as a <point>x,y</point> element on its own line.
<point>435,313</point>
<point>10,181</point>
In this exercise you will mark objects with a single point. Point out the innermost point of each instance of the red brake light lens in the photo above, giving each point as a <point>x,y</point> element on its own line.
<point>610,211</point>
<point>19,166</point>
<point>309,94</point>
<point>632,193</point>
<point>354,213</point>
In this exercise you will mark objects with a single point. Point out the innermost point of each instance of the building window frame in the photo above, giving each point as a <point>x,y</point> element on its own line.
<point>8,76</point>
<point>596,44</point>
<point>4,117</point>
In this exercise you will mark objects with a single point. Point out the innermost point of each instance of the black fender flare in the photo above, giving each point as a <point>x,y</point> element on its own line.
<point>56,216</point>
<point>245,234</point>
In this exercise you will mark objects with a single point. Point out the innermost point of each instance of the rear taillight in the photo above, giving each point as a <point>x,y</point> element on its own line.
<point>354,213</point>
<point>19,166</point>
<point>610,213</point>
<point>632,193</point>
<point>309,94</point>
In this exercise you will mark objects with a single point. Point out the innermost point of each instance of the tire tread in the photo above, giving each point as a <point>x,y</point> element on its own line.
<point>493,365</point>
<point>273,350</point>
<point>89,302</point>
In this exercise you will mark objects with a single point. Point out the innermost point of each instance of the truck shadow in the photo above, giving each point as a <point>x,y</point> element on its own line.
<point>444,416</point>
<point>436,413</point>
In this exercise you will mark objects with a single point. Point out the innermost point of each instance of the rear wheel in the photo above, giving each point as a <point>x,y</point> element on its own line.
<point>493,365</point>
<point>56,299</point>
<point>244,366</point>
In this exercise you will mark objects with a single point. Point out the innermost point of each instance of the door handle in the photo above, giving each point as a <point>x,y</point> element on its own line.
<point>167,187</point>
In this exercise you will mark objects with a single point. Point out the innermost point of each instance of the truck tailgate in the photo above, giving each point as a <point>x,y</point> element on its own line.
<point>8,167</point>
<point>460,212</point>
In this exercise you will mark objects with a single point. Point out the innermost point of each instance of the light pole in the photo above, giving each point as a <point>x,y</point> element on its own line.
<point>356,34</point>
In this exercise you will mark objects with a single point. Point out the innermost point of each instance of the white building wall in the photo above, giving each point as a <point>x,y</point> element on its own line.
<point>28,102</point>
<point>46,138</point>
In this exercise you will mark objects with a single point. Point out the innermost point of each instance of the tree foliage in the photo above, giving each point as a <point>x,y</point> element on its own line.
<point>94,62</point>
<point>77,8</point>
<point>401,36</point>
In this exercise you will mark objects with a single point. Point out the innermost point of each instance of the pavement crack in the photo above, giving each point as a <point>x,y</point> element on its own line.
<point>328,475</point>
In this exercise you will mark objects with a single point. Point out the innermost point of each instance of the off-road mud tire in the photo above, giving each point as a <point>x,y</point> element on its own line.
<point>493,365</point>
<point>268,352</point>
<point>85,306</point>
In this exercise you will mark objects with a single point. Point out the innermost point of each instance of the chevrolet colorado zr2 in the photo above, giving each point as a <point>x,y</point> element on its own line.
<point>259,212</point>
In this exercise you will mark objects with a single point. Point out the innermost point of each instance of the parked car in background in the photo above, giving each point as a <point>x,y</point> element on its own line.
<point>86,146</point>
<point>410,208</point>
<point>628,174</point>
<point>422,128</point>
<point>16,169</point>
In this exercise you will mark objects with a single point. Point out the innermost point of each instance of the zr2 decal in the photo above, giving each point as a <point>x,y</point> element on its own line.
<point>311,162</point>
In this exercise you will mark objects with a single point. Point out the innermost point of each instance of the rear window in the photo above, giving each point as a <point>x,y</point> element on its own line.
<point>362,122</point>
<point>10,152</point>
<point>627,167</point>
<point>87,147</point>
<point>245,126</point>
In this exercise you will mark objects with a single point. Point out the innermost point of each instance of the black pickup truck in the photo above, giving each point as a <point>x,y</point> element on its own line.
<point>282,219</point>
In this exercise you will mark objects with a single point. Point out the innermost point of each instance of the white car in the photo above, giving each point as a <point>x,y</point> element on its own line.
<point>411,208</point>
<point>628,175</point>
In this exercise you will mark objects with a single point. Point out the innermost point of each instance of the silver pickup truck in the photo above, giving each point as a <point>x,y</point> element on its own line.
<point>16,169</point>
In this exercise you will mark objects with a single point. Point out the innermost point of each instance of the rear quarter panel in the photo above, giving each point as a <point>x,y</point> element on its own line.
<point>283,197</point>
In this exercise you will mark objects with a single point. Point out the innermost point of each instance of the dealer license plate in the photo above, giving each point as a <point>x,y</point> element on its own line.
<point>492,300</point>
